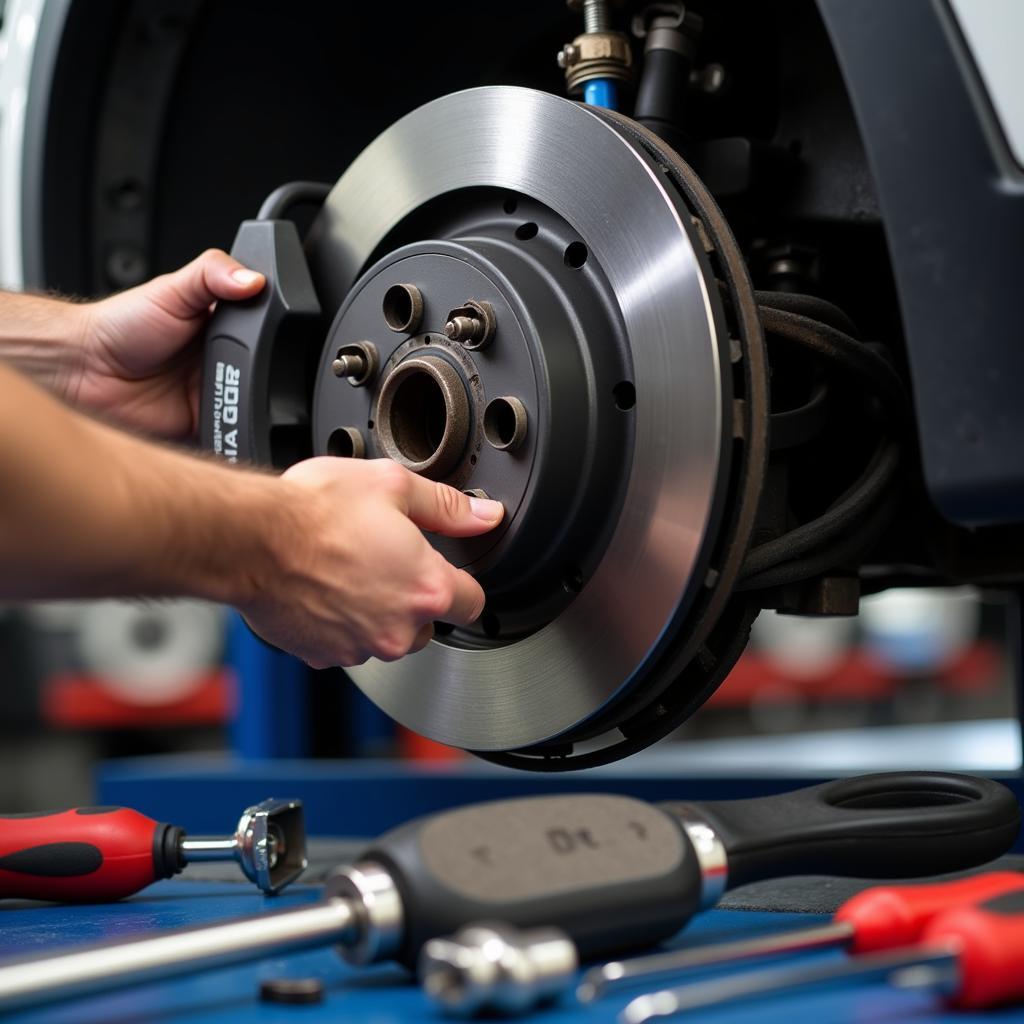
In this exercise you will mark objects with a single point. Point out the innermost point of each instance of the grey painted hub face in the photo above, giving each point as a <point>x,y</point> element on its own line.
<point>644,318</point>
<point>530,418</point>
<point>446,278</point>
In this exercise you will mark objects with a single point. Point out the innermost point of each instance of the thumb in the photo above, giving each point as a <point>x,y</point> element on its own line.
<point>442,509</point>
<point>212,275</point>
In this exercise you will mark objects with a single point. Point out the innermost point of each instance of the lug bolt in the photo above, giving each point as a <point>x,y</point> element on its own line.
<point>568,55</point>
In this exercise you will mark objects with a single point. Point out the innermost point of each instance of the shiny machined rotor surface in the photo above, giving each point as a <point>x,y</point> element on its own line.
<point>527,691</point>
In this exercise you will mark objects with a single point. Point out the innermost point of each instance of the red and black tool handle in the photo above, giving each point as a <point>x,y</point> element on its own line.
<point>988,941</point>
<point>889,916</point>
<point>85,854</point>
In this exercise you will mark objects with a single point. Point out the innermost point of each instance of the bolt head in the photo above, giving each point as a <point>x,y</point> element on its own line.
<point>568,55</point>
<point>712,78</point>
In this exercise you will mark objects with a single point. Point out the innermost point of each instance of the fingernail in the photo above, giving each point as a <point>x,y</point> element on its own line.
<point>245,277</point>
<point>486,509</point>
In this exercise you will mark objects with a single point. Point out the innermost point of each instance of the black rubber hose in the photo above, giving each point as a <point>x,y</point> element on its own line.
<point>791,428</point>
<point>842,350</point>
<point>861,512</point>
<point>839,553</point>
<point>841,516</point>
<point>809,306</point>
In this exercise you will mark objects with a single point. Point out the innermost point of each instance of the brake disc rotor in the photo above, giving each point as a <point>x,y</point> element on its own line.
<point>607,387</point>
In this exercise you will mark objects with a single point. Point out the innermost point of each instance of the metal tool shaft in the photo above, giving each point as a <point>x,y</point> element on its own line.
<point>599,981</point>
<point>111,966</point>
<point>206,848</point>
<point>906,968</point>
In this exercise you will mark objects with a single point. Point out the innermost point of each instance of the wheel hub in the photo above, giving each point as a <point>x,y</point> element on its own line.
<point>537,416</point>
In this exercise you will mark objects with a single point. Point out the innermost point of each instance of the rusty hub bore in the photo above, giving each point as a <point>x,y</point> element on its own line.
<point>423,416</point>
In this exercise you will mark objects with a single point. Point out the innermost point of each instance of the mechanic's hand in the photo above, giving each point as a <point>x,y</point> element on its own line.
<point>141,360</point>
<point>356,579</point>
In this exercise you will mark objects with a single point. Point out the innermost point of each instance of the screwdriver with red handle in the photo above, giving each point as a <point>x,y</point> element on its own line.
<point>97,854</point>
<point>880,918</point>
<point>971,955</point>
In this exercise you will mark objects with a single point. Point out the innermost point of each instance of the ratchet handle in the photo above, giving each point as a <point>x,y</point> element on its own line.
<point>613,872</point>
<point>887,916</point>
<point>988,941</point>
<point>889,825</point>
<point>258,346</point>
<point>84,854</point>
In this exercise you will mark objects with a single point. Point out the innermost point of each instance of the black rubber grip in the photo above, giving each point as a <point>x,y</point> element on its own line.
<point>168,857</point>
<point>61,810</point>
<point>32,814</point>
<point>1009,903</point>
<point>890,825</point>
<point>54,860</point>
<point>612,872</point>
<point>259,343</point>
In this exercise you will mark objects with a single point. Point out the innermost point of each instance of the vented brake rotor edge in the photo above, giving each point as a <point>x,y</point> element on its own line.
<point>716,631</point>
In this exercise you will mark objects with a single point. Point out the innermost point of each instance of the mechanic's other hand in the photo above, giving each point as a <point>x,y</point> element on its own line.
<point>355,577</point>
<point>141,360</point>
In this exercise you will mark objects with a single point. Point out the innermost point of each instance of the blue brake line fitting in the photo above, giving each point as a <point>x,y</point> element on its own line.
<point>602,92</point>
<point>598,60</point>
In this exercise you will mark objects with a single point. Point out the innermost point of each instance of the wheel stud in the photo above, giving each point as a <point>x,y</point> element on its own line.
<point>349,366</point>
<point>471,324</point>
<point>464,328</point>
<point>356,362</point>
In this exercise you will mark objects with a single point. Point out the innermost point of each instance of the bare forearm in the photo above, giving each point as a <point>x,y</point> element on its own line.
<point>42,338</point>
<point>88,511</point>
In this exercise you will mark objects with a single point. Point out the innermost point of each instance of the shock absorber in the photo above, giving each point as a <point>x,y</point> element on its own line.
<point>669,32</point>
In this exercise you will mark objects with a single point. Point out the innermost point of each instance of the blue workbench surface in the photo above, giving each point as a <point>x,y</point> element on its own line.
<point>381,994</point>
